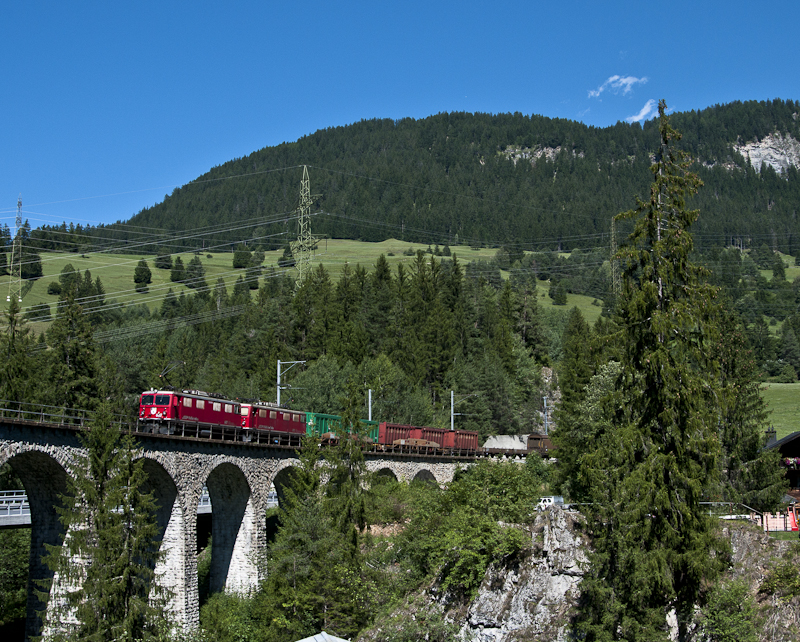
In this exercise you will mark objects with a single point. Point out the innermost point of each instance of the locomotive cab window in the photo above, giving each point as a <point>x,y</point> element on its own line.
<point>147,400</point>
<point>162,400</point>
<point>228,407</point>
<point>187,402</point>
<point>262,413</point>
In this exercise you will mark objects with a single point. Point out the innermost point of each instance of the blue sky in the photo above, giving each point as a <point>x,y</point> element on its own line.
<point>107,106</point>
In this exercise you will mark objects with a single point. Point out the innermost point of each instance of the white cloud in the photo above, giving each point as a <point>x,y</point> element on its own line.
<point>649,110</point>
<point>617,84</point>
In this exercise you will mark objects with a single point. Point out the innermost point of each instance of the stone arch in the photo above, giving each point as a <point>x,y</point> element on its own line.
<point>283,477</point>
<point>234,531</point>
<point>171,568</point>
<point>424,475</point>
<point>389,468</point>
<point>44,479</point>
<point>386,472</point>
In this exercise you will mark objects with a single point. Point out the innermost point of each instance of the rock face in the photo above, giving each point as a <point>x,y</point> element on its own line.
<point>753,554</point>
<point>533,600</point>
<point>775,150</point>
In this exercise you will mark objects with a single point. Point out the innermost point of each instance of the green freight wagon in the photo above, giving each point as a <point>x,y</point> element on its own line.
<point>318,424</point>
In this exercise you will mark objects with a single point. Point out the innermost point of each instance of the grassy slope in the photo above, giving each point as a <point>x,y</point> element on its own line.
<point>783,400</point>
<point>116,271</point>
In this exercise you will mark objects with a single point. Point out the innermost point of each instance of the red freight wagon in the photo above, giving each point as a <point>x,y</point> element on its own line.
<point>460,440</point>
<point>390,433</point>
<point>169,406</point>
<point>432,435</point>
<point>264,416</point>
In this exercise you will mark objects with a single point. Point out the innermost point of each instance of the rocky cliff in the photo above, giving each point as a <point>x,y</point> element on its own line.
<point>775,150</point>
<point>532,600</point>
<point>533,597</point>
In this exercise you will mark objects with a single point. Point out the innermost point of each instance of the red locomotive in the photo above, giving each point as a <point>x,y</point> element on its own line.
<point>162,408</point>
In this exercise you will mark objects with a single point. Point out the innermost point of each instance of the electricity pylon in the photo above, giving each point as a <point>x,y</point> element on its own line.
<point>303,248</point>
<point>15,268</point>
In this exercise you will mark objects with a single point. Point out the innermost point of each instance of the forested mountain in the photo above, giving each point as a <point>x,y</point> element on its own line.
<point>484,179</point>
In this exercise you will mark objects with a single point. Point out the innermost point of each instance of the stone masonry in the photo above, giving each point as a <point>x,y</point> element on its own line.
<point>238,478</point>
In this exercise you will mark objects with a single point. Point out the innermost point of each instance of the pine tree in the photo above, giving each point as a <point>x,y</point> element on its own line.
<point>316,573</point>
<point>241,257</point>
<point>163,260</point>
<point>73,360</point>
<point>31,261</point>
<point>178,272</point>
<point>196,274</point>
<point>105,568</point>
<point>5,239</point>
<point>17,363</point>
<point>750,474</point>
<point>574,435</point>
<point>655,547</point>
<point>142,276</point>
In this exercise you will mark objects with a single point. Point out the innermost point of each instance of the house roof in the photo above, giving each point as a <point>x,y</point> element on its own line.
<point>786,440</point>
<point>323,637</point>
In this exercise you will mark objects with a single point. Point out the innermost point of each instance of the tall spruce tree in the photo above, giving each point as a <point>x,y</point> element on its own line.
<point>73,358</point>
<point>105,569</point>
<point>18,363</point>
<point>749,474</point>
<point>5,240</point>
<point>655,547</point>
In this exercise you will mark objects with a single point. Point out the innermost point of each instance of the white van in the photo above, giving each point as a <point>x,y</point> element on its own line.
<point>550,500</point>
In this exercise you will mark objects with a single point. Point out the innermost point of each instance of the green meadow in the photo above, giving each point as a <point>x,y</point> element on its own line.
<point>116,271</point>
<point>783,402</point>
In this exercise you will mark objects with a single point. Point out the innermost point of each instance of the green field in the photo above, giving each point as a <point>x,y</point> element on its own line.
<point>783,401</point>
<point>116,271</point>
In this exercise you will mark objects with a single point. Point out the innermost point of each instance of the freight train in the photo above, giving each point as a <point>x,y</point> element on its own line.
<point>248,420</point>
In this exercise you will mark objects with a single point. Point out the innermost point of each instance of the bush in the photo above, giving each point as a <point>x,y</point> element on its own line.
<point>54,288</point>
<point>417,621</point>
<point>783,579</point>
<point>163,261</point>
<point>39,312</point>
<point>456,534</point>
<point>229,618</point>
<point>731,614</point>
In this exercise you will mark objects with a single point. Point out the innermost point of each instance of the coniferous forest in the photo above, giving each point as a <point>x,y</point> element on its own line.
<point>659,403</point>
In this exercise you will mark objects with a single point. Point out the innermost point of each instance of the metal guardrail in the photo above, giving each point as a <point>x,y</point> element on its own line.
<point>733,510</point>
<point>43,413</point>
<point>16,511</point>
<point>14,508</point>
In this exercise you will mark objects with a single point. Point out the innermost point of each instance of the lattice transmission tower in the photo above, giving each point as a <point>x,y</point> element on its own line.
<point>15,268</point>
<point>303,248</point>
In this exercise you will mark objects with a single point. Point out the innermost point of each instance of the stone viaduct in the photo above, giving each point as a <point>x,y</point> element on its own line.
<point>238,477</point>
